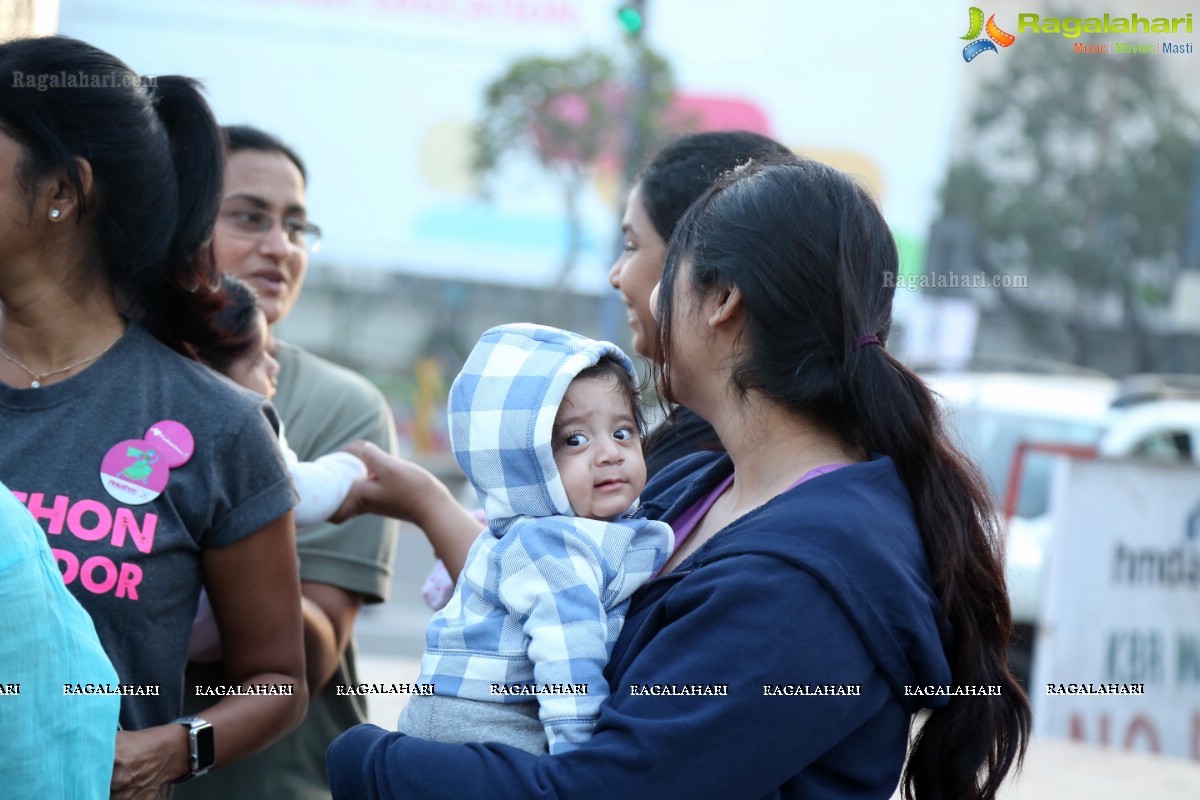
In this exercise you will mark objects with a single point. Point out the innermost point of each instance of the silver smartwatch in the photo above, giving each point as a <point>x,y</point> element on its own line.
<point>202,749</point>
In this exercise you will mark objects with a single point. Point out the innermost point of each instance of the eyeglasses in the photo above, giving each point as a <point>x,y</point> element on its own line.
<point>254,224</point>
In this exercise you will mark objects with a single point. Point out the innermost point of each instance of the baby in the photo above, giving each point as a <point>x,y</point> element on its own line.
<point>321,484</point>
<point>547,427</point>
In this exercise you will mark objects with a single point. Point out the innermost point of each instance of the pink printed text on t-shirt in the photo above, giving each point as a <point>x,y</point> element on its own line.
<point>92,521</point>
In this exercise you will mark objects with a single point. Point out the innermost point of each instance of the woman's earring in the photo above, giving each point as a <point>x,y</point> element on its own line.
<point>55,213</point>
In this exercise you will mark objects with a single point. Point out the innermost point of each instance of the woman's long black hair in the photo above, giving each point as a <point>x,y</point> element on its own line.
<point>155,154</point>
<point>815,263</point>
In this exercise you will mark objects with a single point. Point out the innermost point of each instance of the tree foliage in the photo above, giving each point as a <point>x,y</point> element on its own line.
<point>569,115</point>
<point>1079,173</point>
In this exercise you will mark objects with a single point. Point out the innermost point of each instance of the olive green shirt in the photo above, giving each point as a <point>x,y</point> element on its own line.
<point>324,407</point>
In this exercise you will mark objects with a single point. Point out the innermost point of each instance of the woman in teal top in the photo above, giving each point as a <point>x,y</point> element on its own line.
<point>58,741</point>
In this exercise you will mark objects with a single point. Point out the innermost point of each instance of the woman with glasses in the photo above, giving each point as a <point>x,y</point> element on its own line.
<point>253,225</point>
<point>263,236</point>
<point>151,475</point>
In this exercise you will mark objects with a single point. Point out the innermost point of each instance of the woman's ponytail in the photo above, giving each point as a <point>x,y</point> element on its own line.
<point>179,309</point>
<point>964,750</point>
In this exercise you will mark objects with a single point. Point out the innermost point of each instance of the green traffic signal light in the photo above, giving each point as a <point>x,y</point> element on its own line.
<point>630,19</point>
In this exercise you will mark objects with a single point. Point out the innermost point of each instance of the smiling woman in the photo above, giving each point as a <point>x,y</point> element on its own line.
<point>663,191</point>
<point>263,236</point>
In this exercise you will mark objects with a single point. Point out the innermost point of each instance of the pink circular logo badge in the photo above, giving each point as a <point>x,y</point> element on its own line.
<point>135,471</point>
<point>173,440</point>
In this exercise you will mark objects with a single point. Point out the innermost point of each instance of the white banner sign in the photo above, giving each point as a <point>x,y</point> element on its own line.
<point>1117,660</point>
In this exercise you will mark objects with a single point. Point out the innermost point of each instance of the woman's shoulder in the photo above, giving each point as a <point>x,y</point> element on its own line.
<point>207,385</point>
<point>851,527</point>
<point>681,480</point>
<point>850,535</point>
<point>328,405</point>
<point>863,506</point>
<point>184,384</point>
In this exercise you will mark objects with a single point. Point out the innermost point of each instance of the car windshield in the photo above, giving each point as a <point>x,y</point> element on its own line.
<point>990,438</point>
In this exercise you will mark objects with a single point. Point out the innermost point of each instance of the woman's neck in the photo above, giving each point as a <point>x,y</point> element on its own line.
<point>772,448</point>
<point>46,327</point>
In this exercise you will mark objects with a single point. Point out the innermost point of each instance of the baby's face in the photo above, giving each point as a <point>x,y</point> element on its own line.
<point>597,448</point>
<point>257,369</point>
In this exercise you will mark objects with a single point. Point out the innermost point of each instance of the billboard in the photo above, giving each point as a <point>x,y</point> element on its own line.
<point>1117,661</point>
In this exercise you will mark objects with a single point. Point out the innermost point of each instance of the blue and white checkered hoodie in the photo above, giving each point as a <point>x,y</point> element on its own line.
<point>543,594</point>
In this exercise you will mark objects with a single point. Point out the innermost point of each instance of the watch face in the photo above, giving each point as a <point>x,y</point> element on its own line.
<point>206,749</point>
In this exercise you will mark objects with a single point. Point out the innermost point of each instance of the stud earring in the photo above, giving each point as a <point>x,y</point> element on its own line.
<point>55,213</point>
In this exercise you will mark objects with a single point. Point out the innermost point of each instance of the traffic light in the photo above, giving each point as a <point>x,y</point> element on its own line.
<point>632,19</point>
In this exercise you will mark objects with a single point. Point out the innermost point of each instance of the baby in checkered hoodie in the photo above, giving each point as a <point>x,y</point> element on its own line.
<point>547,426</point>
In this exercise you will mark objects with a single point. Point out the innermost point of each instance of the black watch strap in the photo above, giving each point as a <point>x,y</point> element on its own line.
<point>202,751</point>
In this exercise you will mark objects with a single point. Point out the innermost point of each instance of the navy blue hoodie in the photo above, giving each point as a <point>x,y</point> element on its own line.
<point>825,586</point>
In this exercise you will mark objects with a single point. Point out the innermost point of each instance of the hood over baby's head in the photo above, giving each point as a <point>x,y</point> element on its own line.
<point>501,416</point>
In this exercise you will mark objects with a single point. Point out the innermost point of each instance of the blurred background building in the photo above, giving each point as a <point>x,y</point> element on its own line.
<point>28,17</point>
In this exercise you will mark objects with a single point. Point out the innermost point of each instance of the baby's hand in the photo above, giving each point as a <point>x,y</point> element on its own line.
<point>393,486</point>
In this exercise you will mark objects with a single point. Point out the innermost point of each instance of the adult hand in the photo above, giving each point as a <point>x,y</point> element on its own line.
<point>147,760</point>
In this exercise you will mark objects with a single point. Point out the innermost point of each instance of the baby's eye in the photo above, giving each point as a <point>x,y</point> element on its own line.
<point>575,440</point>
<point>623,434</point>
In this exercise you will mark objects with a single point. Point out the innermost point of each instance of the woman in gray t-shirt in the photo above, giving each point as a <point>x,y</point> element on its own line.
<point>150,474</point>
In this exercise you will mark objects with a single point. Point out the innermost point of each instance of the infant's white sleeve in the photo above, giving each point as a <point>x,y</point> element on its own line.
<point>323,485</point>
